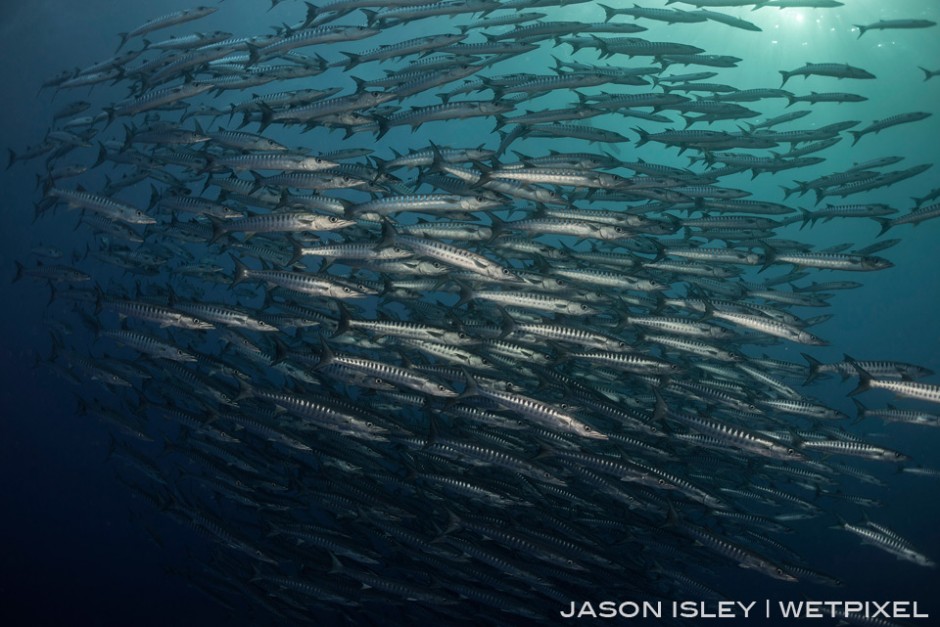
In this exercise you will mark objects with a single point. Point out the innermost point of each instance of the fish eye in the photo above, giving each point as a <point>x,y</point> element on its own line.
<point>790,451</point>
<point>441,388</point>
<point>333,219</point>
<point>369,424</point>
<point>584,307</point>
<point>587,429</point>
<point>480,198</point>
<point>661,481</point>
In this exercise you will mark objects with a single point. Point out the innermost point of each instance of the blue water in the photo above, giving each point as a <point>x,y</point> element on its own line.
<point>79,549</point>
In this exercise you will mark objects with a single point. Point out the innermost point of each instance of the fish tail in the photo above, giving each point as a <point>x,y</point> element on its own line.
<point>241,271</point>
<point>814,365</point>
<point>885,225</point>
<point>820,194</point>
<point>326,355</point>
<point>254,54</point>
<point>218,230</point>
<point>343,324</point>
<point>864,378</point>
<point>336,565</point>
<point>102,155</point>
<point>807,217</point>
<point>859,410</point>
<point>297,252</point>
<point>267,116</point>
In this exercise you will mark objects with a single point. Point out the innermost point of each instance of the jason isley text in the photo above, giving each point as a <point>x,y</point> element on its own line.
<point>738,609</point>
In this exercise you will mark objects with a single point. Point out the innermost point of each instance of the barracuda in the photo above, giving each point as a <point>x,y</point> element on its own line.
<point>578,228</point>
<point>225,316</point>
<point>573,335</point>
<point>148,345</point>
<point>837,70</point>
<point>163,316</point>
<point>533,409</point>
<point>929,392</point>
<point>627,362</point>
<point>855,449</point>
<point>107,207</point>
<point>304,283</point>
<point>744,557</point>
<point>278,161</point>
<point>323,414</point>
<point>388,372</point>
<point>434,203</point>
<point>680,326</point>
<point>886,540</point>
<point>888,24</point>
<point>165,21</point>
<point>538,302</point>
<point>558,176</point>
<point>739,438</point>
<point>309,37</point>
<point>451,255</point>
<point>771,327</point>
<point>283,222</point>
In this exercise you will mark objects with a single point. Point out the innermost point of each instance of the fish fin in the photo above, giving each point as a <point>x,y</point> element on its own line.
<point>241,271</point>
<point>814,365</point>
<point>864,377</point>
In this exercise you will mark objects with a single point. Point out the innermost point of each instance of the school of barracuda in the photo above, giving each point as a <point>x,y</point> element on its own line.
<point>475,382</point>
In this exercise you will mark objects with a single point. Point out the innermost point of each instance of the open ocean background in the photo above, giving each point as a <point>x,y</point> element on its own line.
<point>77,548</point>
